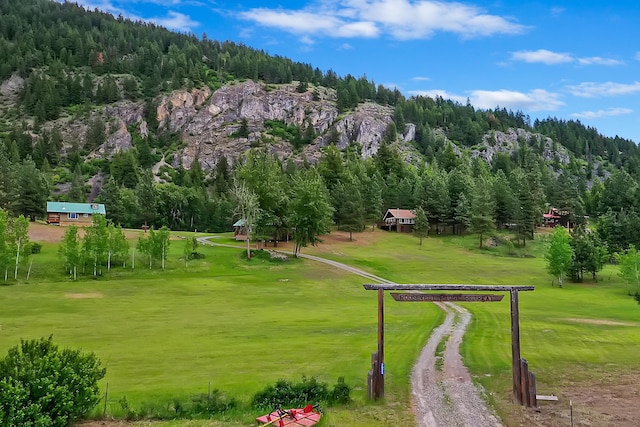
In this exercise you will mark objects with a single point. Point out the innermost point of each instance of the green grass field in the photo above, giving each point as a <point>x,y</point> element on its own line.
<point>242,325</point>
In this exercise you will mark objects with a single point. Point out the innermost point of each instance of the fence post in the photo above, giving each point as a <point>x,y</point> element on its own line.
<point>524,379</point>
<point>533,396</point>
<point>106,396</point>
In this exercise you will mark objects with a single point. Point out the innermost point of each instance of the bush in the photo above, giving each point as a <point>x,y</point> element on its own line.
<point>41,385</point>
<point>341,393</point>
<point>309,390</point>
<point>200,407</point>
<point>36,247</point>
<point>288,394</point>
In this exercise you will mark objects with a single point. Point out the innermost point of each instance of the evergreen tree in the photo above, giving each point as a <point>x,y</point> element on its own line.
<point>95,135</point>
<point>421,227</point>
<point>32,191</point>
<point>349,213</point>
<point>110,195</point>
<point>482,208</point>
<point>77,193</point>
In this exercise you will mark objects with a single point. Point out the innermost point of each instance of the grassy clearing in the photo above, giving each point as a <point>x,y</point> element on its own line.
<point>239,325</point>
<point>243,325</point>
<point>583,332</point>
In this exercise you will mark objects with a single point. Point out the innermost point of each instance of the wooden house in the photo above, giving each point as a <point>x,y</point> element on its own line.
<point>66,213</point>
<point>401,220</point>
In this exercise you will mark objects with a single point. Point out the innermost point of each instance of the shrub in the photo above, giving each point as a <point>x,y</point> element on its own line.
<point>341,393</point>
<point>36,247</point>
<point>214,403</point>
<point>289,394</point>
<point>41,385</point>
<point>309,390</point>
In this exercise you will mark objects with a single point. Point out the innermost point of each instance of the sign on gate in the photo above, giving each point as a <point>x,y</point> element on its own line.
<point>447,297</point>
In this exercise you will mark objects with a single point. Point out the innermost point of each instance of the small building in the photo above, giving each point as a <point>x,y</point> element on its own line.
<point>240,231</point>
<point>551,218</point>
<point>66,213</point>
<point>401,220</point>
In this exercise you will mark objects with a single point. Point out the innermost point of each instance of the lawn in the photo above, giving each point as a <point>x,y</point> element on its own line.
<point>223,323</point>
<point>241,325</point>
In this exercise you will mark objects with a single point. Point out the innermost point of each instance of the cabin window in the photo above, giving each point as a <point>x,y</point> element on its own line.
<point>85,215</point>
<point>72,215</point>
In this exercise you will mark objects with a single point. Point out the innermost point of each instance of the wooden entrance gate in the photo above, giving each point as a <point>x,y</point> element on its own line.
<point>523,381</point>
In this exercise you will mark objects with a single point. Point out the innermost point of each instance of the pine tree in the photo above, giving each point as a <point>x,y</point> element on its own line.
<point>421,226</point>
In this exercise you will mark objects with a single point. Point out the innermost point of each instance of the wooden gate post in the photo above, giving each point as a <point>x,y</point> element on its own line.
<point>380,386</point>
<point>515,346</point>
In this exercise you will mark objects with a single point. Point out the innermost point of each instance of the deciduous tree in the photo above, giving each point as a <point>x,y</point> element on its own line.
<point>310,209</point>
<point>559,254</point>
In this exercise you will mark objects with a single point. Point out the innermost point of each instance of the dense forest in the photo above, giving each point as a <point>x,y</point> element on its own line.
<point>75,61</point>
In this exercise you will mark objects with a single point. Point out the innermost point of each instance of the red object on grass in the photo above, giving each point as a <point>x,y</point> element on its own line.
<point>305,417</point>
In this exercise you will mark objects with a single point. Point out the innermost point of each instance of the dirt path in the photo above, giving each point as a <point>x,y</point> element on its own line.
<point>443,393</point>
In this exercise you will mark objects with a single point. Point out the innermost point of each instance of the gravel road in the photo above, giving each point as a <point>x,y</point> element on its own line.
<point>443,393</point>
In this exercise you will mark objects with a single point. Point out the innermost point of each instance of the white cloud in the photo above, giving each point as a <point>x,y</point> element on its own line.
<point>543,56</point>
<point>602,113</point>
<point>557,11</point>
<point>434,93</point>
<point>535,100</point>
<point>548,57</point>
<point>596,90</point>
<point>345,46</point>
<point>176,21</point>
<point>637,57</point>
<point>596,60</point>
<point>401,19</point>
<point>307,40</point>
<point>421,79</point>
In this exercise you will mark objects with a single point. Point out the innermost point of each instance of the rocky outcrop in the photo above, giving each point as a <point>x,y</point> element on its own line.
<point>12,86</point>
<point>211,127</point>
<point>508,142</point>
<point>233,119</point>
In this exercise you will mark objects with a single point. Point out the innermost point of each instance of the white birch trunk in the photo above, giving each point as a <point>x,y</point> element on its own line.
<point>163,256</point>
<point>15,274</point>
<point>109,262</point>
<point>29,270</point>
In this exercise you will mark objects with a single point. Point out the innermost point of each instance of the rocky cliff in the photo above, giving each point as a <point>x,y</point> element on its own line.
<point>209,124</point>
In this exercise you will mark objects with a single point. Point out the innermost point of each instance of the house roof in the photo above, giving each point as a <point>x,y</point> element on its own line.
<point>239,223</point>
<point>400,213</point>
<point>81,208</point>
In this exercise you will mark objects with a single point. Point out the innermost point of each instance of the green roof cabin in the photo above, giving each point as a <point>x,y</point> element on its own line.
<point>66,213</point>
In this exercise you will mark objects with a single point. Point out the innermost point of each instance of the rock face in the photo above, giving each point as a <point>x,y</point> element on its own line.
<point>508,142</point>
<point>12,86</point>
<point>210,123</point>
<point>231,120</point>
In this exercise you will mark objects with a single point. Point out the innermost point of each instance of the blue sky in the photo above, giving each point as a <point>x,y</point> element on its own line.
<point>565,59</point>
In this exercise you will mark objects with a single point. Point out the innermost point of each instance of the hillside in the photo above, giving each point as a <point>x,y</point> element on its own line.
<point>159,124</point>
